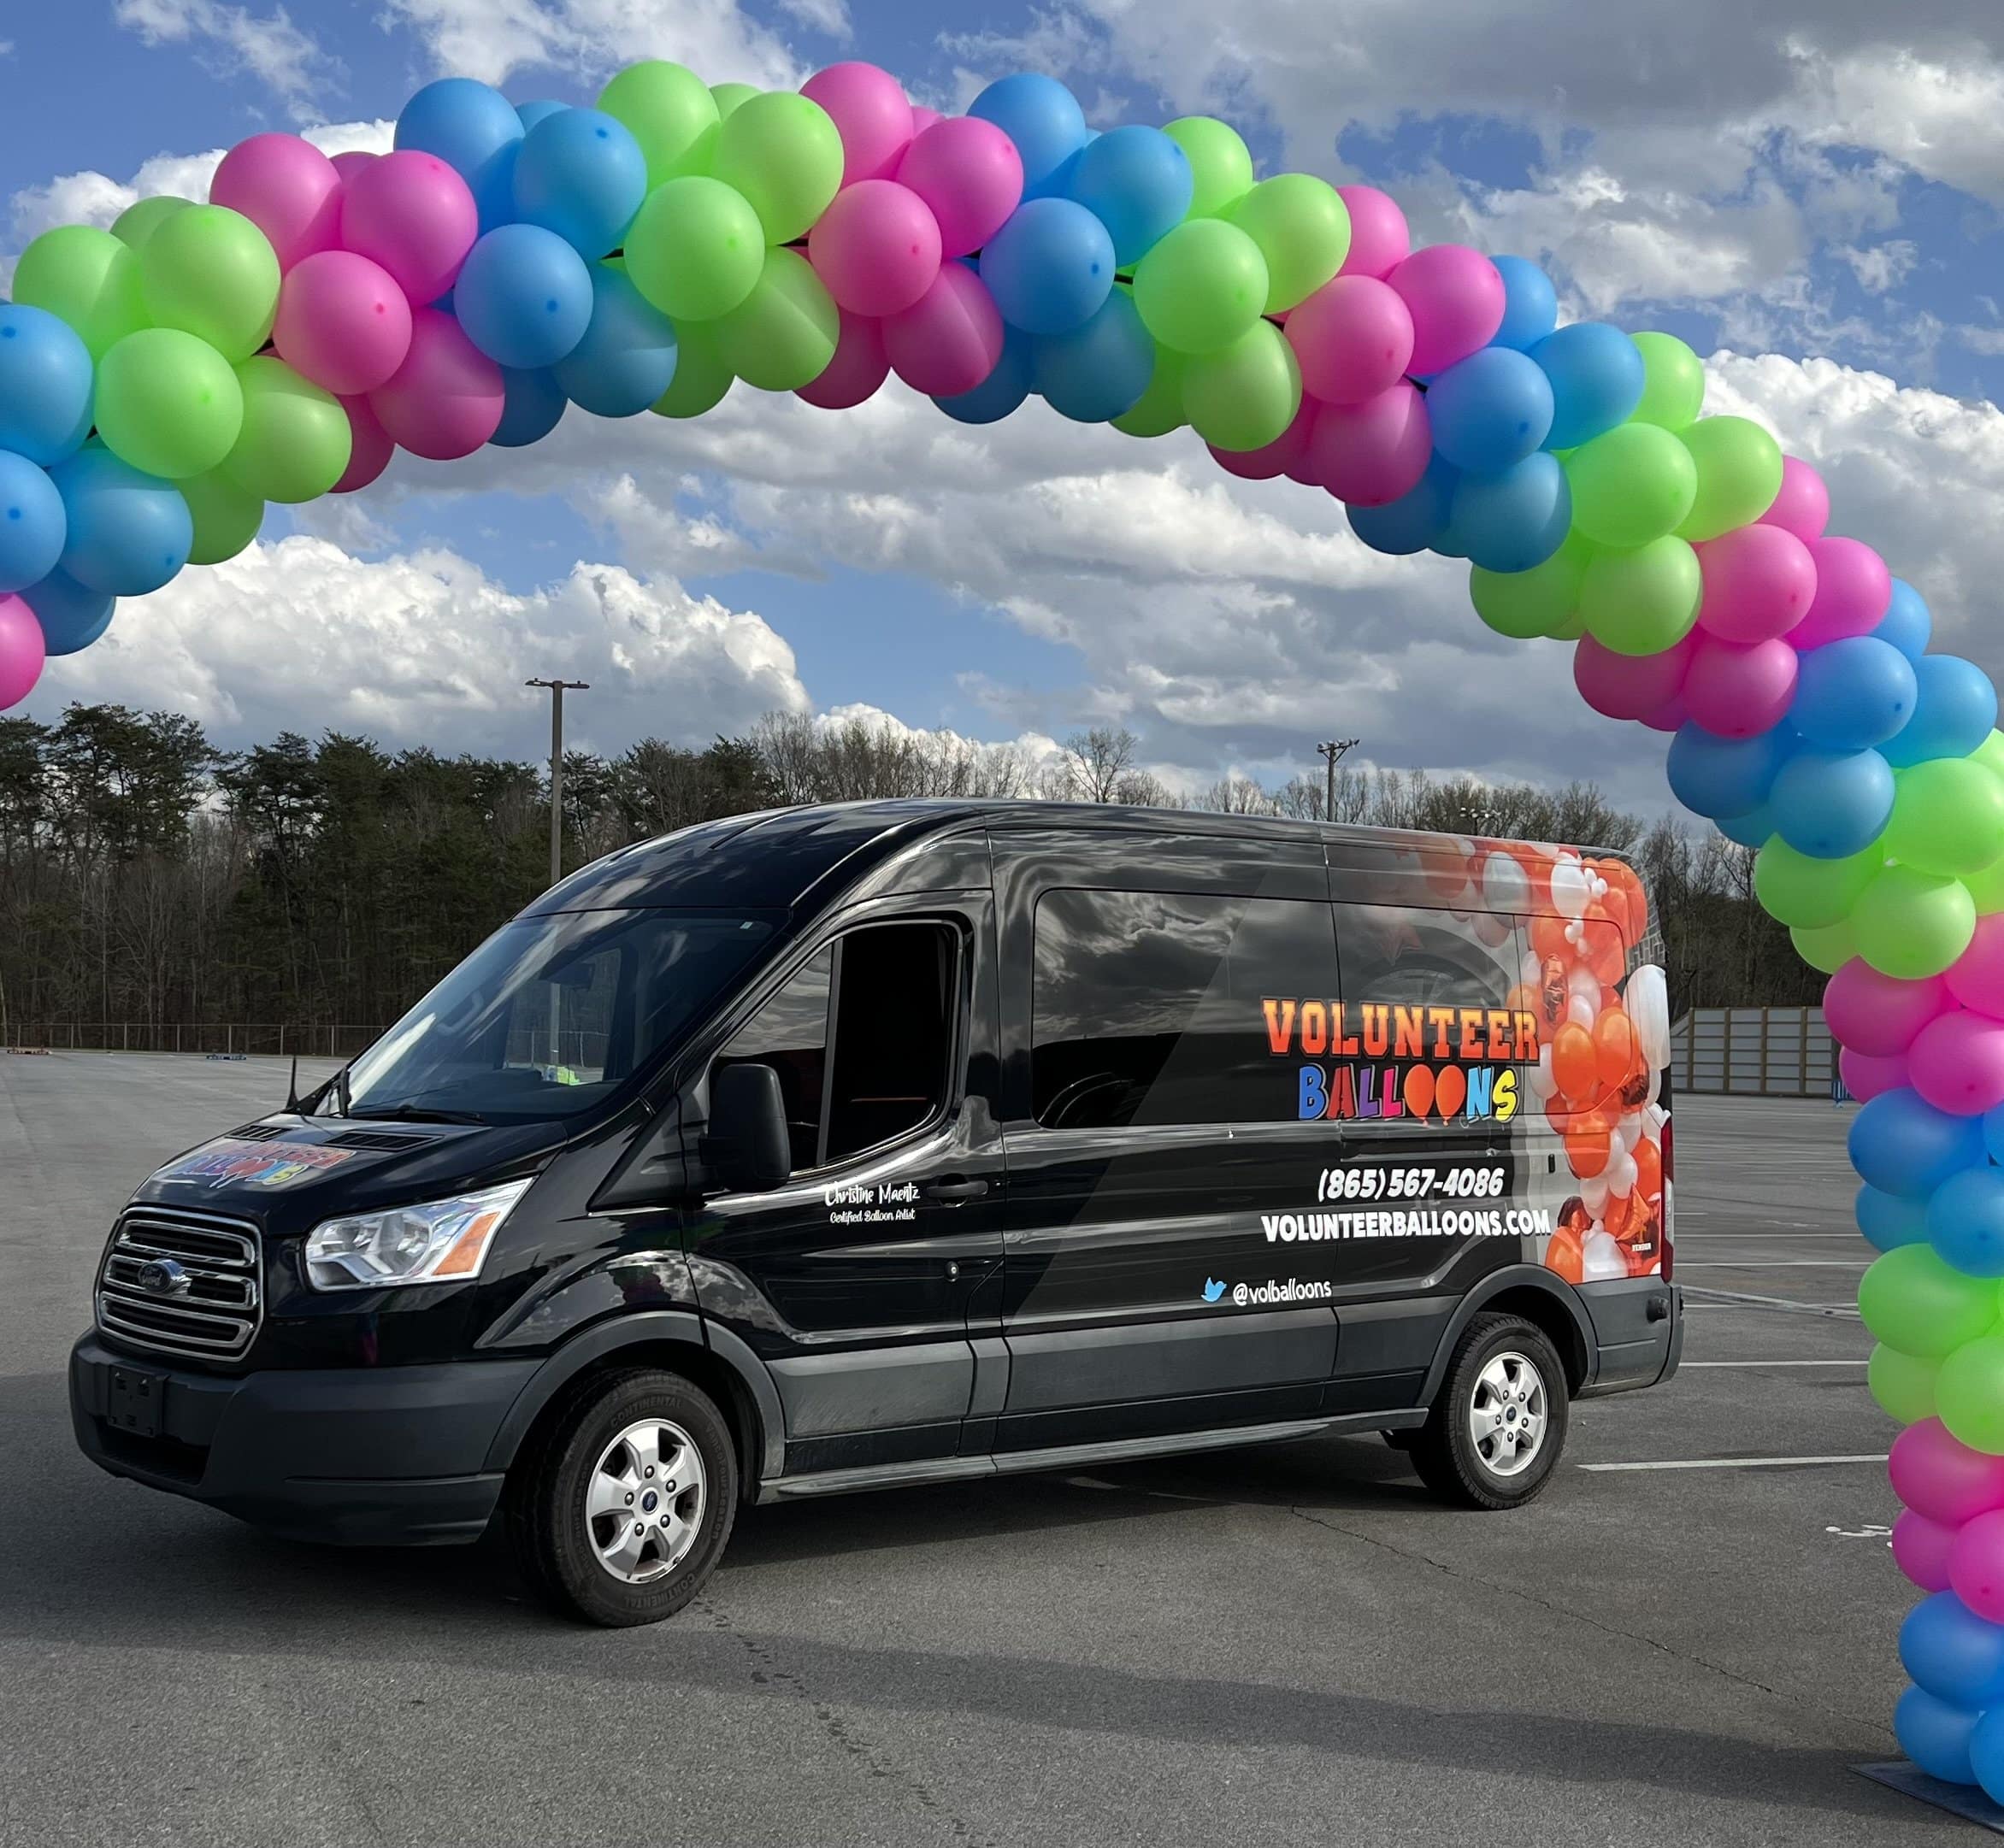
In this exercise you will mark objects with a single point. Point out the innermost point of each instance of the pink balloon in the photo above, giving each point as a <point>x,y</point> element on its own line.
<point>922,118</point>
<point>1880,1014</point>
<point>1456,297</point>
<point>1976,1564</point>
<point>871,113</point>
<point>23,650</point>
<point>287,188</point>
<point>1867,1076</point>
<point>1629,686</point>
<point>342,322</point>
<point>948,341</point>
<point>876,247</point>
<point>413,215</point>
<point>1803,505</point>
<point>447,398</point>
<point>1853,590</point>
<point>1922,1550</point>
<point>1957,1064</point>
<point>1976,977</point>
<point>1740,692</point>
<point>1372,453</point>
<point>970,177</point>
<point>352,162</point>
<point>1354,338</point>
<point>1286,453</point>
<point>1760,581</point>
<point>1379,238</point>
<point>859,366</point>
<point>370,451</point>
<point>1942,1479</point>
<point>1672,715</point>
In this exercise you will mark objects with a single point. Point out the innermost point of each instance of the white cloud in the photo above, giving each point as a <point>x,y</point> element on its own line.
<point>272,49</point>
<point>829,17</point>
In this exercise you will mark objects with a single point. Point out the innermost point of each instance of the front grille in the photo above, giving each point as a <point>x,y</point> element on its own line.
<point>216,1310</point>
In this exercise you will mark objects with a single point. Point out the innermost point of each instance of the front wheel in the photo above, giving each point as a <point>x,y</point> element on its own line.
<point>626,1508</point>
<point>1497,1426</point>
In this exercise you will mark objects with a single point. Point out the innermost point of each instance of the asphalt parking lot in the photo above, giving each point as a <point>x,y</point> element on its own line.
<point>1290,1645</point>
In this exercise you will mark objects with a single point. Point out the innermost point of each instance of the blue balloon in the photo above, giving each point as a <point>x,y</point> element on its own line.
<point>1888,1221</point>
<point>1050,267</point>
<point>581,174</point>
<point>533,407</point>
<point>1722,777</point>
<point>1041,116</point>
<point>1136,182</point>
<point>1953,1653</point>
<point>1955,711</point>
<point>1515,520</point>
<point>1966,1220</point>
<point>1530,305</point>
<point>626,358</point>
<point>476,131</point>
<point>1755,828</point>
<point>45,386</point>
<point>1490,410</point>
<point>129,534</point>
<point>1002,391</point>
<point>72,616</point>
<point>1853,694</point>
<point>1597,380</point>
<point>1418,519</point>
<point>524,297</point>
<point>1906,624</point>
<point>1900,1144</point>
<point>1937,1736</point>
<point>1099,372</point>
<point>32,523</point>
<point>535,110</point>
<point>1986,1753</point>
<point>1831,805</point>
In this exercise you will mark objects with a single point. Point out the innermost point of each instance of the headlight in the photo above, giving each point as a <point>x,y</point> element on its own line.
<point>442,1241</point>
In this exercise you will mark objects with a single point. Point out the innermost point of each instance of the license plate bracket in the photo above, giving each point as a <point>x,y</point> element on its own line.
<point>135,1401</point>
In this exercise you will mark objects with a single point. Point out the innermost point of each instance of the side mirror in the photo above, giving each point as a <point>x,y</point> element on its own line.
<point>746,1146</point>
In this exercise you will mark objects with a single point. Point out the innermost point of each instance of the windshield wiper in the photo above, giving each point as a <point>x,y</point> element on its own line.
<point>416,1113</point>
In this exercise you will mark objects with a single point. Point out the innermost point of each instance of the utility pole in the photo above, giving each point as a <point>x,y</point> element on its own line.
<point>1333,748</point>
<point>557,689</point>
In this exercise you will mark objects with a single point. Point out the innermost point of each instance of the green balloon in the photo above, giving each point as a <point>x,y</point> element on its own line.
<point>1525,604</point>
<point>1948,817</point>
<point>784,333</point>
<point>1644,601</point>
<point>226,516</point>
<point>1912,924</point>
<point>1986,889</point>
<point>1991,753</point>
<point>1673,381</point>
<point>669,111</point>
<point>728,97</point>
<point>296,437</point>
<point>1903,1384</point>
<point>168,403</point>
<point>1913,1301</point>
<point>1809,894</point>
<point>1219,159</point>
<point>1159,409</point>
<point>212,272</point>
<point>1302,228</point>
<point>1828,948</point>
<point>1244,396</point>
<point>1969,1394</point>
<point>1739,474</point>
<point>696,249</point>
<point>1630,485</point>
<point>139,222</point>
<point>87,278</point>
<point>783,153</point>
<point>701,378</point>
<point>1570,629</point>
<point>1201,286</point>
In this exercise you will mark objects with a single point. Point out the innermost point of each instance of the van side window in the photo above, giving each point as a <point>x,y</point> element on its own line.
<point>1147,1006</point>
<point>862,1038</point>
<point>1411,955</point>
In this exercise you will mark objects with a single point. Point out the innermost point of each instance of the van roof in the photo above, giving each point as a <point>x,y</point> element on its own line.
<point>772,859</point>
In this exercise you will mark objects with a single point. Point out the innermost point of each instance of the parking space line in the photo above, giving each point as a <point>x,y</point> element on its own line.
<point>1732,1298</point>
<point>1860,1363</point>
<point>1735,1463</point>
<point>1775,1263</point>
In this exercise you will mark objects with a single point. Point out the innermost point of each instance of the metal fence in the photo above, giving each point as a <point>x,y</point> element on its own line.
<point>1760,1052</point>
<point>226,1037</point>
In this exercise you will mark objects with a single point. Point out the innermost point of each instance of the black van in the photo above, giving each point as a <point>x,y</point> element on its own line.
<point>853,1146</point>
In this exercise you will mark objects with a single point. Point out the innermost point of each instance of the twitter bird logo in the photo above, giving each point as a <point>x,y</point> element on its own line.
<point>1212,1289</point>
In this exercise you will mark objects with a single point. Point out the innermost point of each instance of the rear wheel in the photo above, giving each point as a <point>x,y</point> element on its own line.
<point>1497,1426</point>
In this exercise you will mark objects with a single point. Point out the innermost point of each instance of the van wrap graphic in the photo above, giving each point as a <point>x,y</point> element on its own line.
<point>230,1162</point>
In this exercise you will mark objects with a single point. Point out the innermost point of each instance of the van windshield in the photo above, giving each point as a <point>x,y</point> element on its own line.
<point>552,1015</point>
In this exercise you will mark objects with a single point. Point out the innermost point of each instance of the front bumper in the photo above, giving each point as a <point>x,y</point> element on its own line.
<point>388,1456</point>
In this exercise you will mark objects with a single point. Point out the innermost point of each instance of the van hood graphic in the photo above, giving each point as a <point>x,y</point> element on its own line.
<point>231,1161</point>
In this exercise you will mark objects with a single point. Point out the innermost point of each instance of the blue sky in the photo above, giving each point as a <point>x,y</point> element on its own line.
<point>1783,186</point>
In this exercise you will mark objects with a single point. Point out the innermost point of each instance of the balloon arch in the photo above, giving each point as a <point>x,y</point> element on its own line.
<point>162,380</point>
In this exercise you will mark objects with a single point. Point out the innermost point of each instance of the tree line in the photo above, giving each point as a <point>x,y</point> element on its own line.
<point>147,876</point>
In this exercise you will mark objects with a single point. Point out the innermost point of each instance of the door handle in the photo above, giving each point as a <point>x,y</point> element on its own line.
<point>957,1190</point>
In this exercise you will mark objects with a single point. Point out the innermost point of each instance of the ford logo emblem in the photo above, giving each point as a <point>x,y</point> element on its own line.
<point>163,1276</point>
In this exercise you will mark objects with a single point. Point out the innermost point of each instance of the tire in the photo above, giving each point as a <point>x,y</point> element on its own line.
<point>568,1519</point>
<point>1505,1372</point>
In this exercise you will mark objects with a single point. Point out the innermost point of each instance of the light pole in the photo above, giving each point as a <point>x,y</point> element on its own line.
<point>557,689</point>
<point>1333,748</point>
